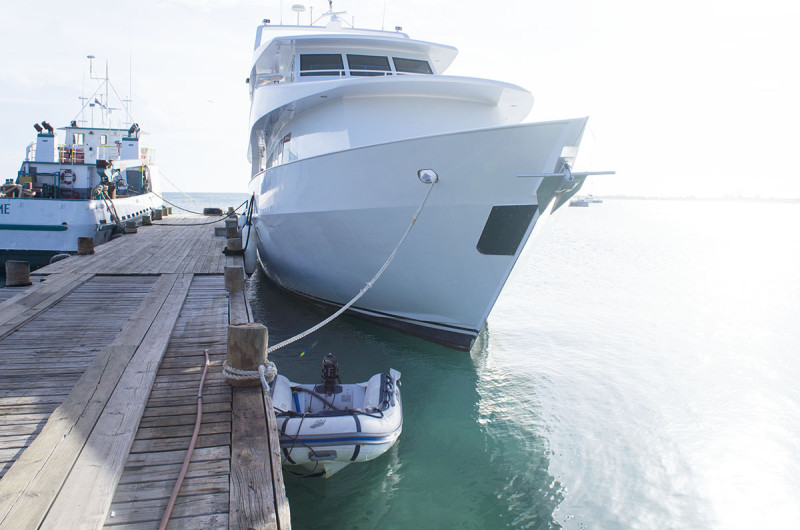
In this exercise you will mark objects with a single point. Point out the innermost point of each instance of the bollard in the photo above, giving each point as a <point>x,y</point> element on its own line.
<point>234,244</point>
<point>169,210</point>
<point>18,273</point>
<point>157,215</point>
<point>230,210</point>
<point>234,278</point>
<point>165,211</point>
<point>130,227</point>
<point>247,349</point>
<point>146,221</point>
<point>231,231</point>
<point>85,246</point>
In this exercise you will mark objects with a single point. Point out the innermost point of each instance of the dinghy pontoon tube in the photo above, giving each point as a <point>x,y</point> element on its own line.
<point>325,427</point>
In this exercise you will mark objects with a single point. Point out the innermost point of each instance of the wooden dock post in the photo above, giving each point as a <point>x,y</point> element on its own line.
<point>247,349</point>
<point>157,216</point>
<point>146,221</point>
<point>85,246</point>
<point>234,278</point>
<point>234,244</point>
<point>130,227</point>
<point>231,229</point>
<point>18,273</point>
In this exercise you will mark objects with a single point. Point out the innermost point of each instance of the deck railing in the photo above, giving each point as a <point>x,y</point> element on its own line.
<point>308,75</point>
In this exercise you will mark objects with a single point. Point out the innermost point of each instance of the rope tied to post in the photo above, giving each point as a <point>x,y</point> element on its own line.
<point>232,373</point>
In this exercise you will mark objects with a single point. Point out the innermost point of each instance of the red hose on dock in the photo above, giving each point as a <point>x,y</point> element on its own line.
<point>188,458</point>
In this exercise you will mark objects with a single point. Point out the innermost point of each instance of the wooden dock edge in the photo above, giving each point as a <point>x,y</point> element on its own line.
<point>257,494</point>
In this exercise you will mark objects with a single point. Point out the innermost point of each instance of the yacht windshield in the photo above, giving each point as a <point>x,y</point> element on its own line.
<point>365,65</point>
<point>413,66</point>
<point>321,64</point>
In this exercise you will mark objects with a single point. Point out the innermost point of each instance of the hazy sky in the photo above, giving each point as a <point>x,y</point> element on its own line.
<point>685,97</point>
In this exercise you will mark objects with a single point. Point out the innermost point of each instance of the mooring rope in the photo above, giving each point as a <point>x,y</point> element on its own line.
<point>225,216</point>
<point>263,372</point>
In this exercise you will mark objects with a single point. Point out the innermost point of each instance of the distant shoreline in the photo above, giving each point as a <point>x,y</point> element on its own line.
<point>690,198</point>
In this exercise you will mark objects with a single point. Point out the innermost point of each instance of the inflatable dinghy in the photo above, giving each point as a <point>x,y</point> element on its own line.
<point>325,427</point>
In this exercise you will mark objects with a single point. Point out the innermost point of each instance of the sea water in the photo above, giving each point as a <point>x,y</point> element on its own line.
<point>639,370</point>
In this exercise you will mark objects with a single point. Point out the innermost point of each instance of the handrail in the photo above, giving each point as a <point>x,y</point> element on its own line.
<point>295,75</point>
<point>77,154</point>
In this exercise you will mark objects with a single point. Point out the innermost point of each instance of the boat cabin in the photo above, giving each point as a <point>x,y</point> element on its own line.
<point>89,156</point>
<point>286,54</point>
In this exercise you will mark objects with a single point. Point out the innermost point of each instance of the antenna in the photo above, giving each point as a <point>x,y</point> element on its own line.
<point>298,8</point>
<point>129,105</point>
<point>383,22</point>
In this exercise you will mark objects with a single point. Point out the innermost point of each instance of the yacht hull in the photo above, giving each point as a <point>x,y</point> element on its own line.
<point>325,225</point>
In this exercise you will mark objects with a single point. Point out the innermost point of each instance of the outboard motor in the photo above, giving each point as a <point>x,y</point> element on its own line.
<point>330,375</point>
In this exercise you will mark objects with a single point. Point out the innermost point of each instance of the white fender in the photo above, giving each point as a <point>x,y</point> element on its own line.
<point>250,258</point>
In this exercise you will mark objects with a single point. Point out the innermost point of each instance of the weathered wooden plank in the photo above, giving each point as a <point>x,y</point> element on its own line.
<point>190,506</point>
<point>146,459</point>
<point>30,486</point>
<point>206,522</point>
<point>252,500</point>
<point>177,444</point>
<point>152,410</point>
<point>279,489</point>
<point>174,431</point>
<point>162,489</point>
<point>153,473</point>
<point>175,420</point>
<point>17,311</point>
<point>88,491</point>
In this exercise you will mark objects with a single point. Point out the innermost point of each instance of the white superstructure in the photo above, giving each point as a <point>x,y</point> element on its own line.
<point>344,122</point>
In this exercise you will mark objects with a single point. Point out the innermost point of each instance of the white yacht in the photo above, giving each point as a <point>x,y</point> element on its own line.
<point>88,184</point>
<point>350,129</point>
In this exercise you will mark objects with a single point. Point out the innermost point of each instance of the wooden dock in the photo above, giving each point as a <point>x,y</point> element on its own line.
<point>100,363</point>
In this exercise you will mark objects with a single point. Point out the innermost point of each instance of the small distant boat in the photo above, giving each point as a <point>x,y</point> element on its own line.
<point>325,427</point>
<point>594,200</point>
<point>579,202</point>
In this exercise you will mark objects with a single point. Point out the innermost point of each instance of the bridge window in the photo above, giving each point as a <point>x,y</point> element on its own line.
<point>412,66</point>
<point>367,65</point>
<point>321,64</point>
